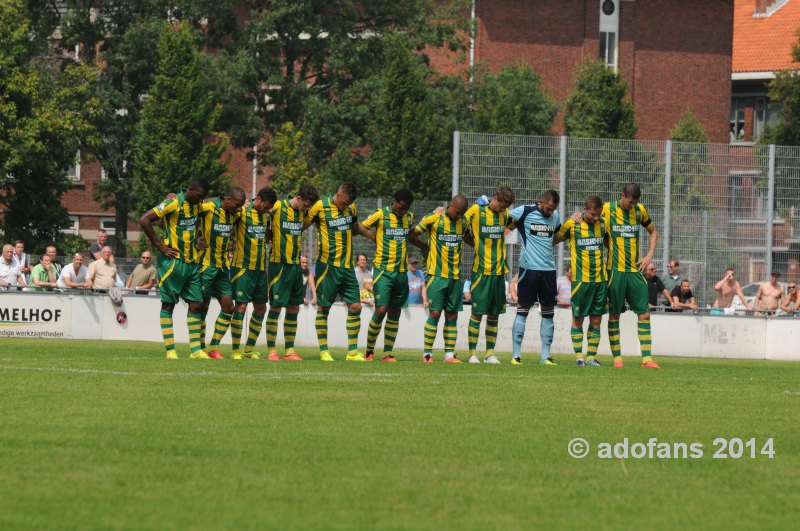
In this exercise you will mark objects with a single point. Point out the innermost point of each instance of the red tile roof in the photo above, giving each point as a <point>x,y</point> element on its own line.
<point>764,44</point>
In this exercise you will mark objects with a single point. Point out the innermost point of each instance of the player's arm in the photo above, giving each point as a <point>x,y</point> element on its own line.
<point>415,237</point>
<point>364,229</point>
<point>360,229</point>
<point>562,233</point>
<point>469,239</point>
<point>146,222</point>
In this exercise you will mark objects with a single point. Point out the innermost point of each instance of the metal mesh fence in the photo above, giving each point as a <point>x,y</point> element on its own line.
<point>709,202</point>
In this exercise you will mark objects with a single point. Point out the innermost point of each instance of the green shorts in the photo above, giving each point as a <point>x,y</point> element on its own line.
<point>630,287</point>
<point>445,294</point>
<point>488,294</point>
<point>249,285</point>
<point>589,298</point>
<point>215,282</point>
<point>332,281</point>
<point>390,288</point>
<point>178,280</point>
<point>285,285</point>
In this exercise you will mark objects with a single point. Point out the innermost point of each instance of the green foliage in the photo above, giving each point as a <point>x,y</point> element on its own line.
<point>688,129</point>
<point>43,114</point>
<point>172,146</point>
<point>597,107</point>
<point>69,244</point>
<point>291,160</point>
<point>784,91</point>
<point>512,101</point>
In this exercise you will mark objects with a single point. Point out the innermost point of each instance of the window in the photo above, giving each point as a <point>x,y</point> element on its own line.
<point>736,131</point>
<point>608,49</point>
<point>74,225</point>
<point>74,171</point>
<point>108,225</point>
<point>759,117</point>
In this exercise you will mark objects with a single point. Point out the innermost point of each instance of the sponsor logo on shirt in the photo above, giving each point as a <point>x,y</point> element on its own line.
<point>187,224</point>
<point>340,224</point>
<point>223,229</point>
<point>542,230</point>
<point>494,232</point>
<point>450,240</point>
<point>625,231</point>
<point>257,231</point>
<point>589,244</point>
<point>294,228</point>
<point>397,233</point>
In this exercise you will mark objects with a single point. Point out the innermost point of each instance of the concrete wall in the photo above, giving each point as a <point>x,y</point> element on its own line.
<point>64,316</point>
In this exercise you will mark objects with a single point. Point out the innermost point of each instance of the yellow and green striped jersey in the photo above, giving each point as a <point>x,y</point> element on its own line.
<point>334,227</point>
<point>391,238</point>
<point>623,235</point>
<point>488,229</point>
<point>445,238</point>
<point>180,221</point>
<point>586,249</point>
<point>287,233</point>
<point>216,226</point>
<point>251,248</point>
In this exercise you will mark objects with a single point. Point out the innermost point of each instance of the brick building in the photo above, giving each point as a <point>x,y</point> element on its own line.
<point>673,54</point>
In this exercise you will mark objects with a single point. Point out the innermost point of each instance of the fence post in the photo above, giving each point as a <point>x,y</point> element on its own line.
<point>456,147</point>
<point>562,191</point>
<point>667,203</point>
<point>770,205</point>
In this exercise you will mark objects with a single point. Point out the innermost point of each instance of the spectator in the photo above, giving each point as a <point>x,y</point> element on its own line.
<point>367,295</point>
<point>467,292</point>
<point>655,287</point>
<point>417,294</point>
<point>512,297</point>
<point>726,289</point>
<point>770,296</point>
<point>362,271</point>
<point>10,275</point>
<point>52,252</point>
<point>96,249</point>
<point>673,278</point>
<point>309,285</point>
<point>102,272</point>
<point>44,275</point>
<point>792,299</point>
<point>23,260</point>
<point>144,275</point>
<point>564,288</point>
<point>682,296</point>
<point>74,275</point>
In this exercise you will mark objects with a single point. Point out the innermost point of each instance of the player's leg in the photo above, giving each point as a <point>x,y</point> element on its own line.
<point>480,307</point>
<point>291,289</point>
<point>596,301</point>
<point>453,305</point>
<point>593,340</point>
<point>327,289</point>
<point>497,306</point>
<point>616,305</point>
<point>398,299</point>
<point>546,292</point>
<point>275,276</point>
<point>637,296</point>
<point>526,297</point>
<point>193,295</point>
<point>382,289</point>
<point>169,297</point>
<point>241,289</point>
<point>258,283</point>
<point>223,291</point>
<point>437,291</point>
<point>351,296</point>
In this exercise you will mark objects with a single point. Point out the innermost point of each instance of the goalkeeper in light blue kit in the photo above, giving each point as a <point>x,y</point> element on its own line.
<point>536,225</point>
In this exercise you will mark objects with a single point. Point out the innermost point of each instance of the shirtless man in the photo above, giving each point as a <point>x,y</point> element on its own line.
<point>726,289</point>
<point>793,299</point>
<point>770,295</point>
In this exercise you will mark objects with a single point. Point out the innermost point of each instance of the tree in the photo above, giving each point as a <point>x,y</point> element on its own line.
<point>597,107</point>
<point>175,139</point>
<point>43,113</point>
<point>512,101</point>
<point>784,91</point>
<point>291,160</point>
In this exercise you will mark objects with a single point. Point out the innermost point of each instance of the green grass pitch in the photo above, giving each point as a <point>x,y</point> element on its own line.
<point>111,435</point>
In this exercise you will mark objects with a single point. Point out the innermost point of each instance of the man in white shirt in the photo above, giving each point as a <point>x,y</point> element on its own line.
<point>10,275</point>
<point>23,260</point>
<point>74,275</point>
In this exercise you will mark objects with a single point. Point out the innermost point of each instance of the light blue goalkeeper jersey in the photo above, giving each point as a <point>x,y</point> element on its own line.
<point>536,237</point>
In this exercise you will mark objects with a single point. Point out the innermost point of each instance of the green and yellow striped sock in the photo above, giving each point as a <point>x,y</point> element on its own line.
<point>289,329</point>
<point>193,320</point>
<point>450,333</point>
<point>576,334</point>
<point>272,328</point>
<point>237,324</point>
<point>203,330</point>
<point>373,331</point>
<point>491,334</point>
<point>390,333</point>
<point>353,327</point>
<point>253,331</point>
<point>474,332</point>
<point>429,334</point>
<point>593,340</point>
<point>613,338</point>
<point>321,325</point>
<point>220,327</point>
<point>166,330</point>
<point>645,339</point>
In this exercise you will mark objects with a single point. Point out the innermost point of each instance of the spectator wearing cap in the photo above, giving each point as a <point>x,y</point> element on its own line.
<point>417,293</point>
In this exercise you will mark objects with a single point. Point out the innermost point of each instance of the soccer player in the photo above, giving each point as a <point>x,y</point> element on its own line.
<point>285,273</point>
<point>248,271</point>
<point>219,218</point>
<point>445,238</point>
<point>626,282</point>
<point>390,281</point>
<point>487,224</point>
<point>589,294</point>
<point>336,220</point>
<point>177,268</point>
<point>536,225</point>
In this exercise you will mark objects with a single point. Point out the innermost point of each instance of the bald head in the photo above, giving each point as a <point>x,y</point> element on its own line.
<point>457,208</point>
